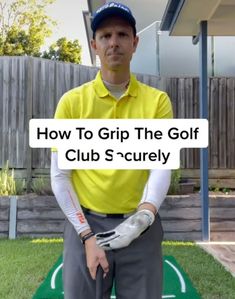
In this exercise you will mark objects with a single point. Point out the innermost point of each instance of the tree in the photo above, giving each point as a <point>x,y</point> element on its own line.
<point>64,50</point>
<point>24,26</point>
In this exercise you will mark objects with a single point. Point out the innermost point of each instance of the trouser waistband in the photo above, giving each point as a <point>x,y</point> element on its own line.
<point>103,215</point>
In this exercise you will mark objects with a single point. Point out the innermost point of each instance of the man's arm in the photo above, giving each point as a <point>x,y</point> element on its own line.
<point>66,196</point>
<point>69,203</point>
<point>155,190</point>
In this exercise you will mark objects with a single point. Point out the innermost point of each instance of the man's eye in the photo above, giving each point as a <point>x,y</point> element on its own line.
<point>122,34</point>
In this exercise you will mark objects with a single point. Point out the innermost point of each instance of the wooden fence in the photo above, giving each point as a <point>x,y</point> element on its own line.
<point>40,216</point>
<point>32,87</point>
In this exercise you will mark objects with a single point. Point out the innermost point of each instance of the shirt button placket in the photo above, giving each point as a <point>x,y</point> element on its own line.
<point>117,109</point>
<point>115,114</point>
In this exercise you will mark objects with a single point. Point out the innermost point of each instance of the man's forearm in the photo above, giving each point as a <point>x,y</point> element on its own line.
<point>148,206</point>
<point>156,189</point>
<point>66,196</point>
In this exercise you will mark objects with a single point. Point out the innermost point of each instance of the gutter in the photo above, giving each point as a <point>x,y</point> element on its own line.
<point>171,14</point>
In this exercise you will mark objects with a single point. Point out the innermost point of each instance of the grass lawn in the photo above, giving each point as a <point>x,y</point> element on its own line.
<point>208,276</point>
<point>24,265</point>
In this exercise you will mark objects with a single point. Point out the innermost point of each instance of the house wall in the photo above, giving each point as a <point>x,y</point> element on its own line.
<point>172,56</point>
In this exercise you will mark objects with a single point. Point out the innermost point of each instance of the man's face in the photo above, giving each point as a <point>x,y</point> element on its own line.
<point>115,43</point>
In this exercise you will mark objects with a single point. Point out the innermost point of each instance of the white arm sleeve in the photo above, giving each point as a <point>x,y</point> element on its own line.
<point>156,187</point>
<point>66,196</point>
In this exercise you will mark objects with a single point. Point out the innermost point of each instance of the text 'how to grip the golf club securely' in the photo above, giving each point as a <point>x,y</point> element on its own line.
<point>118,143</point>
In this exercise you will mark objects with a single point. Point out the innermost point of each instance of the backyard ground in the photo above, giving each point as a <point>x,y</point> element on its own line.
<point>25,264</point>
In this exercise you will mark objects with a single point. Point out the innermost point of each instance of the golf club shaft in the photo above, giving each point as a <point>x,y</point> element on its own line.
<point>99,283</point>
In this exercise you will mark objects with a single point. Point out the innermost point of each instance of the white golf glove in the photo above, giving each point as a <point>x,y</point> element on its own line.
<point>126,232</point>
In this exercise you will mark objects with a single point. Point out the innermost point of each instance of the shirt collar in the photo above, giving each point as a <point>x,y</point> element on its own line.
<point>102,91</point>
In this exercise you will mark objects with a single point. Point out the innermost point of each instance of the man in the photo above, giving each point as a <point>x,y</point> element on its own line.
<point>112,215</point>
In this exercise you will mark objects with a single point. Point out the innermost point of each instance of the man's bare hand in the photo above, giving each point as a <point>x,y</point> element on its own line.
<point>95,256</point>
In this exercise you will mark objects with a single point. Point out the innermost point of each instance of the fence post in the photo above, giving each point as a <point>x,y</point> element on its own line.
<point>29,109</point>
<point>13,216</point>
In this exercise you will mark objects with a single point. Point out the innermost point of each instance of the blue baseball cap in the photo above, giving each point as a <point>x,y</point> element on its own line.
<point>112,9</point>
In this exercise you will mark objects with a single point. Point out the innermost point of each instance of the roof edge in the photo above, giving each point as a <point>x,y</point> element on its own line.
<point>171,14</point>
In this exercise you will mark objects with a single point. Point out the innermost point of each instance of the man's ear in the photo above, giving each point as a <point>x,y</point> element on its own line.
<point>135,42</point>
<point>93,44</point>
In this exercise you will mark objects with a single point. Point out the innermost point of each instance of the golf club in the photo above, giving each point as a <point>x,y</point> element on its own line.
<point>99,283</point>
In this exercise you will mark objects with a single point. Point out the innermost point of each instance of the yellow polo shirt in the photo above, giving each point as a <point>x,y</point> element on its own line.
<point>112,191</point>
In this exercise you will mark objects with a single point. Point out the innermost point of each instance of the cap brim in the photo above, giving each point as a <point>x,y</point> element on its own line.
<point>113,11</point>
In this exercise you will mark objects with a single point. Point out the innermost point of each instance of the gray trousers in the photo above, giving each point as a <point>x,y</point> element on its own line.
<point>136,269</point>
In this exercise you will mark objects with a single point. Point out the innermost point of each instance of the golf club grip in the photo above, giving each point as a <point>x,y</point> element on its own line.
<point>99,283</point>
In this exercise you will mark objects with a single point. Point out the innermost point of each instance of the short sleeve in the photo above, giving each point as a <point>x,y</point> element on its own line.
<point>164,108</point>
<point>62,111</point>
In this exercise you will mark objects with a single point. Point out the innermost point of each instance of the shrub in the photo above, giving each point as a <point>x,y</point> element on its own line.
<point>41,186</point>
<point>175,180</point>
<point>20,186</point>
<point>7,181</point>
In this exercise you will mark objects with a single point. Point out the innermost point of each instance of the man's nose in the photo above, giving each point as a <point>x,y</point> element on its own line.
<point>114,41</point>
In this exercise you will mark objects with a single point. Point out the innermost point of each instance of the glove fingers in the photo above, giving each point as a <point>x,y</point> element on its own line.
<point>100,241</point>
<point>104,235</point>
<point>106,247</point>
